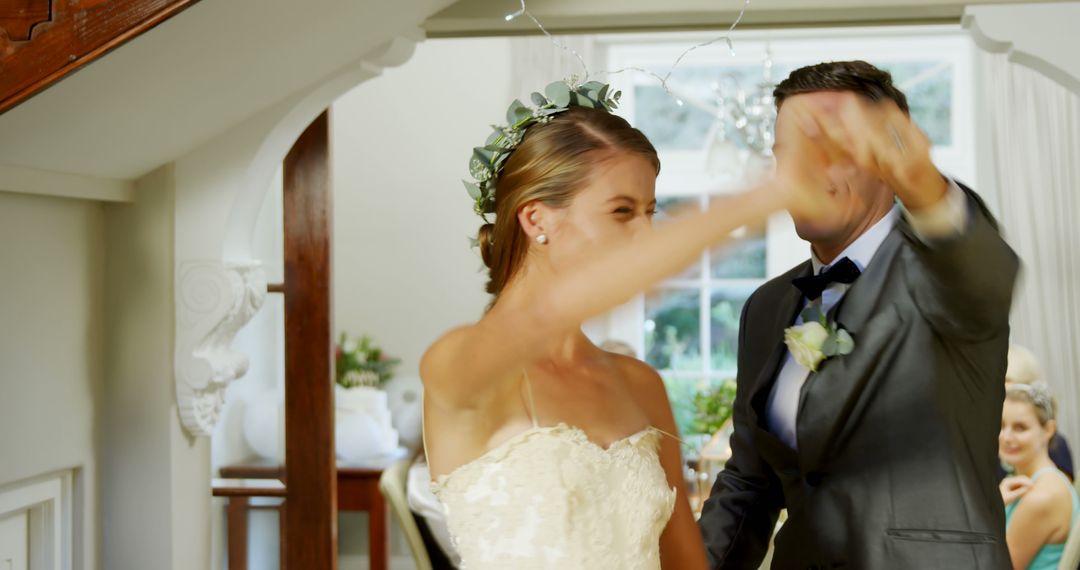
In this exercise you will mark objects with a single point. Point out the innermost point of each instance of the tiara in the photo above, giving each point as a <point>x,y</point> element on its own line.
<point>487,161</point>
<point>1039,393</point>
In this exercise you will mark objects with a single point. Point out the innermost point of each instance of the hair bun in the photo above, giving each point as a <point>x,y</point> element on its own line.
<point>486,239</point>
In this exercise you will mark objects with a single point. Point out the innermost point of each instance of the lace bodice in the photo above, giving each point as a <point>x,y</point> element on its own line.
<point>549,498</point>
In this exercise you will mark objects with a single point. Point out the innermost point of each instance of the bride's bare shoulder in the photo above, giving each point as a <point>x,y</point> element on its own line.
<point>648,390</point>
<point>442,361</point>
<point>643,381</point>
<point>442,351</point>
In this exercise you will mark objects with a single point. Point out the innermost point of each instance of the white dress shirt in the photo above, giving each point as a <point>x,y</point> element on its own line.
<point>947,217</point>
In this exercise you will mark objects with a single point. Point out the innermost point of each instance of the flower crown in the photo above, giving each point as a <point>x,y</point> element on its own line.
<point>487,161</point>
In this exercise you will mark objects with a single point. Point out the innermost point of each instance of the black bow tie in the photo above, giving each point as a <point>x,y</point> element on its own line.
<point>844,271</point>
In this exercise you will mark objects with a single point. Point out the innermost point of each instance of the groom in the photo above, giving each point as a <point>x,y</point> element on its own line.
<point>877,429</point>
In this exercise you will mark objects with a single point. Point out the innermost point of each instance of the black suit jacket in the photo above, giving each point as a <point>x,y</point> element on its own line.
<point>897,441</point>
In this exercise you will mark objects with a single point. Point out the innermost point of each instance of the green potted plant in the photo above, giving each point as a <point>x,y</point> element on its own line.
<point>713,407</point>
<point>360,362</point>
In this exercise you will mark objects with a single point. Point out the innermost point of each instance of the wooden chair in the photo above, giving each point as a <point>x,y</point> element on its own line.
<point>425,551</point>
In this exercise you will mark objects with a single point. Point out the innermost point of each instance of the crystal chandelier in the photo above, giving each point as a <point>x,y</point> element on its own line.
<point>741,136</point>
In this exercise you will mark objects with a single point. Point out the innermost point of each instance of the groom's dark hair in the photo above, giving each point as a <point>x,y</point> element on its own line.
<point>856,76</point>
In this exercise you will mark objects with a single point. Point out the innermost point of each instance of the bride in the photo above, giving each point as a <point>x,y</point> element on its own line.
<point>548,452</point>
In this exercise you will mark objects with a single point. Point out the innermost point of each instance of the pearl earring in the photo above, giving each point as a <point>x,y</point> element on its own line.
<point>541,239</point>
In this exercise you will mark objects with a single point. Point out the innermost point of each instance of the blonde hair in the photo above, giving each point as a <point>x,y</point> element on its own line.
<point>1023,367</point>
<point>552,163</point>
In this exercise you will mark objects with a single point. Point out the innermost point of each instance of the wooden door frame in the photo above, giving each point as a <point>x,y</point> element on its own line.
<point>310,514</point>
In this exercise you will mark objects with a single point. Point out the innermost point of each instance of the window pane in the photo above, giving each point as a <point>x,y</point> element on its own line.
<point>669,126</point>
<point>670,207</point>
<point>681,392</point>
<point>928,86</point>
<point>701,407</point>
<point>741,258</point>
<point>712,405</point>
<point>726,308</point>
<point>672,127</point>
<point>673,329</point>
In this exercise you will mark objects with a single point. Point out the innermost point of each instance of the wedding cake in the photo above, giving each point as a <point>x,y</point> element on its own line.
<point>364,429</point>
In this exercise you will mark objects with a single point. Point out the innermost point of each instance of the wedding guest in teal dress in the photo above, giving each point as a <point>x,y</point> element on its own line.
<point>1041,505</point>
<point>1023,368</point>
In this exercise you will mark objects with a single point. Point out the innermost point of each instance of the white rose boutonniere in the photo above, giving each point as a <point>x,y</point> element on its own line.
<point>816,338</point>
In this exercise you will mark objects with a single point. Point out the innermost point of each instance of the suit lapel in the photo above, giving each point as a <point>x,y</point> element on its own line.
<point>861,299</point>
<point>832,387</point>
<point>787,309</point>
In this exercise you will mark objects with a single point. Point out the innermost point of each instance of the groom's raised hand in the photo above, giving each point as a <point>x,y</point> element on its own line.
<point>802,167</point>
<point>877,137</point>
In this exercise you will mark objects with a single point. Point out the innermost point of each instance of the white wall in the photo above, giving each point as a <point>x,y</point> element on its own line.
<point>262,340</point>
<point>403,267</point>
<point>155,489</point>
<point>86,378</point>
<point>51,367</point>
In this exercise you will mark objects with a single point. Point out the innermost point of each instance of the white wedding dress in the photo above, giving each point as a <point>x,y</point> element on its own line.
<point>549,498</point>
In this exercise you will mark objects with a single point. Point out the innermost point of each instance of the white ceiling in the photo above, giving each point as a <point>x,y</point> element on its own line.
<point>485,17</point>
<point>220,62</point>
<point>182,83</point>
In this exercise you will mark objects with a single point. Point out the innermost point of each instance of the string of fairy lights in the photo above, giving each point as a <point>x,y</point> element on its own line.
<point>663,79</point>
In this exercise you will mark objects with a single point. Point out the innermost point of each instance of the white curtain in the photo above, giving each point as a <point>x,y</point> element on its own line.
<point>1035,136</point>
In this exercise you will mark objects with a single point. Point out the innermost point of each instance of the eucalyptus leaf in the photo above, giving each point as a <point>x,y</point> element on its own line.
<point>844,343</point>
<point>539,100</point>
<point>582,101</point>
<point>558,93</point>
<point>813,312</point>
<point>472,189</point>
<point>556,89</point>
<point>479,169</point>
<point>517,112</point>
<point>484,154</point>
<point>829,347</point>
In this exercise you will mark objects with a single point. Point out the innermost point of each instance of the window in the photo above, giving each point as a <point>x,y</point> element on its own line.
<point>687,328</point>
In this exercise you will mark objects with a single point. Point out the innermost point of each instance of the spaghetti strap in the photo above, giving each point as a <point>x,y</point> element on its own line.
<point>1069,483</point>
<point>1039,473</point>
<point>532,402</point>
<point>669,434</point>
<point>423,428</point>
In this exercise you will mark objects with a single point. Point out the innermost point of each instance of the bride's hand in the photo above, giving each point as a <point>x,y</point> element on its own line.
<point>1012,488</point>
